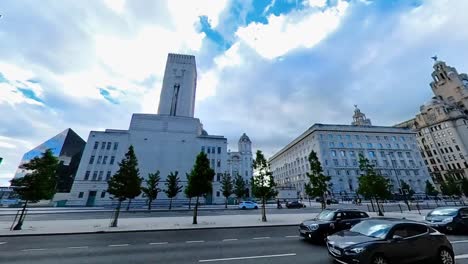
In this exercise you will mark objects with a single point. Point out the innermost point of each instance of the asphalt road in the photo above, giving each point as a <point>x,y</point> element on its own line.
<point>241,245</point>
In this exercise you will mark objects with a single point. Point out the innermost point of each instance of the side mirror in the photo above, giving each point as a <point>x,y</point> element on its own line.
<point>397,238</point>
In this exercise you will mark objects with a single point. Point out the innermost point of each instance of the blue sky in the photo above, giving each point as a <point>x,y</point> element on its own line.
<point>267,68</point>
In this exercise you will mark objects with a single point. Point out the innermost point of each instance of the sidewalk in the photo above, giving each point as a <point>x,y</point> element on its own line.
<point>168,223</point>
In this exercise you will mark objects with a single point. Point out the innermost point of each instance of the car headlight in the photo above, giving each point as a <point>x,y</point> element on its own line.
<point>447,220</point>
<point>313,227</point>
<point>355,250</point>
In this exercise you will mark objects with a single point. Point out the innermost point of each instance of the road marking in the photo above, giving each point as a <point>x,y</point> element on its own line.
<point>119,245</point>
<point>258,238</point>
<point>2,243</point>
<point>195,241</point>
<point>78,247</point>
<point>251,257</point>
<point>291,236</point>
<point>464,256</point>
<point>230,239</point>
<point>159,243</point>
<point>459,241</point>
<point>33,249</point>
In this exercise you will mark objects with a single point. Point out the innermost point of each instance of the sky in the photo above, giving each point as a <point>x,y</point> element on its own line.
<point>269,68</point>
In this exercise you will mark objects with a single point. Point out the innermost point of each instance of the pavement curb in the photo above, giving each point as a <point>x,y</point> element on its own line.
<point>147,230</point>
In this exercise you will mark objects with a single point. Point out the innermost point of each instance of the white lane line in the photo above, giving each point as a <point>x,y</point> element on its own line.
<point>33,249</point>
<point>159,243</point>
<point>195,241</point>
<point>258,238</point>
<point>459,241</point>
<point>119,245</point>
<point>82,247</point>
<point>464,256</point>
<point>291,236</point>
<point>251,257</point>
<point>3,243</point>
<point>230,239</point>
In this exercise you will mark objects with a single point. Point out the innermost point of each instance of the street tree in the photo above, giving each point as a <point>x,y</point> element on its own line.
<point>263,184</point>
<point>450,187</point>
<point>372,185</point>
<point>173,187</point>
<point>464,186</point>
<point>430,189</point>
<point>125,183</point>
<point>318,182</point>
<point>188,191</point>
<point>200,181</point>
<point>151,189</point>
<point>226,187</point>
<point>405,187</point>
<point>39,183</point>
<point>239,188</point>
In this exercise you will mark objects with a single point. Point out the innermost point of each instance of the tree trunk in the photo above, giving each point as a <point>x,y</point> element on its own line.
<point>190,203</point>
<point>116,215</point>
<point>195,211</point>
<point>378,207</point>
<point>128,205</point>
<point>225,204</point>
<point>264,219</point>
<point>21,219</point>
<point>372,204</point>
<point>149,204</point>
<point>170,204</point>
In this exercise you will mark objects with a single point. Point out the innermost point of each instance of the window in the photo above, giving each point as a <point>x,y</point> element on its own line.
<point>331,144</point>
<point>116,145</point>
<point>343,153</point>
<point>405,146</point>
<point>209,150</point>
<point>340,137</point>
<point>108,175</point>
<point>86,177</point>
<point>101,173</point>
<point>333,153</point>
<point>408,173</point>
<point>217,194</point>
<point>218,176</point>
<point>91,160</point>
<point>393,138</point>
<point>357,137</point>
<point>330,136</point>
<point>408,155</point>
<point>457,147</point>
<point>377,137</point>
<point>104,160</point>
<point>326,162</point>
<point>382,154</point>
<point>103,194</point>
<point>402,138</point>
<point>352,153</point>
<point>348,137</point>
<point>350,145</point>
<point>103,145</point>
<point>212,163</point>
<point>95,175</point>
<point>213,149</point>
<point>335,162</point>
<point>369,145</point>
<point>109,144</point>
<point>355,162</point>
<point>203,149</point>
<point>80,195</point>
<point>359,145</point>
<point>112,160</point>
<point>400,155</point>
<point>380,145</point>
<point>389,146</point>
<point>219,150</point>
<point>96,145</point>
<point>341,145</point>
<point>99,159</point>
<point>218,163</point>
<point>345,162</point>
<point>385,137</point>
<point>416,172</point>
<point>371,154</point>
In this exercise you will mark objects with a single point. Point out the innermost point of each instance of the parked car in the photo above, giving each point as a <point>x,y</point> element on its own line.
<point>329,222</point>
<point>387,240</point>
<point>248,205</point>
<point>449,219</point>
<point>295,204</point>
<point>329,200</point>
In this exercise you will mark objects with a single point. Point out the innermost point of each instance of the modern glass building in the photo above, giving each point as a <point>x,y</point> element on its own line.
<point>68,147</point>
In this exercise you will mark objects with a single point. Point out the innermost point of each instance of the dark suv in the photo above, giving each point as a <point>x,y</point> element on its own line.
<point>329,222</point>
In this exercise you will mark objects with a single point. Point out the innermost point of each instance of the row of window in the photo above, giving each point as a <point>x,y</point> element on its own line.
<point>370,153</point>
<point>81,194</point>
<point>210,150</point>
<point>97,176</point>
<point>102,160</point>
<point>106,145</point>
<point>432,129</point>
<point>358,137</point>
<point>450,167</point>
<point>369,145</point>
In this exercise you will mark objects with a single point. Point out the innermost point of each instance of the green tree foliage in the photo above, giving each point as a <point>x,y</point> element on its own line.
<point>151,189</point>
<point>39,183</point>
<point>409,192</point>
<point>450,187</point>
<point>372,185</point>
<point>263,185</point>
<point>226,187</point>
<point>430,189</point>
<point>126,182</point>
<point>188,191</point>
<point>200,181</point>
<point>173,187</point>
<point>318,183</point>
<point>239,188</point>
<point>464,186</point>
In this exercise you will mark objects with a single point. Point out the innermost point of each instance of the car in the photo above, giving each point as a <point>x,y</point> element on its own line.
<point>248,205</point>
<point>295,204</point>
<point>329,200</point>
<point>449,219</point>
<point>329,222</point>
<point>387,240</point>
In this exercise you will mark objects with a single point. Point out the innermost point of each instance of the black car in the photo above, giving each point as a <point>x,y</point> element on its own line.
<point>449,219</point>
<point>387,240</point>
<point>295,204</point>
<point>329,222</point>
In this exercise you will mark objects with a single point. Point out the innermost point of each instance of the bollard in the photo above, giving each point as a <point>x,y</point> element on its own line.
<point>417,206</point>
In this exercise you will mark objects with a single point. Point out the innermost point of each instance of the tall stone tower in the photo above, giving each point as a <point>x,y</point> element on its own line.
<point>449,85</point>
<point>359,118</point>
<point>179,86</point>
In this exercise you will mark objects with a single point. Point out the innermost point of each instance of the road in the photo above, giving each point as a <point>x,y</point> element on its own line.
<point>241,245</point>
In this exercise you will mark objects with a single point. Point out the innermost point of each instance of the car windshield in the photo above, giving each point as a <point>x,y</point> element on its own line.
<point>326,215</point>
<point>371,228</point>
<point>444,212</point>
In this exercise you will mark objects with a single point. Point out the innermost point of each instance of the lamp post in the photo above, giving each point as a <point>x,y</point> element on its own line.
<point>400,190</point>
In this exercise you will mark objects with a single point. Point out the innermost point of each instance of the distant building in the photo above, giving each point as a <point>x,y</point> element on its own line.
<point>168,141</point>
<point>442,125</point>
<point>240,162</point>
<point>68,147</point>
<point>392,150</point>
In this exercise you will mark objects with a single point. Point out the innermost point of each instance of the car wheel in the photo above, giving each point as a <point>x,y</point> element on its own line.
<point>445,256</point>
<point>379,259</point>
<point>256,207</point>
<point>243,207</point>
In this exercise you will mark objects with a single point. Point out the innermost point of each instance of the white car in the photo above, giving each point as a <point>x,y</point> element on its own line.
<point>248,205</point>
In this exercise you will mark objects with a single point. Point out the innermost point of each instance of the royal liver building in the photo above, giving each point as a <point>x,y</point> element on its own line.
<point>168,141</point>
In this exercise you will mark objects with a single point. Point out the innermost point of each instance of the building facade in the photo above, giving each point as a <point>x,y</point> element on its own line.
<point>240,162</point>
<point>442,125</point>
<point>166,142</point>
<point>392,150</point>
<point>68,147</point>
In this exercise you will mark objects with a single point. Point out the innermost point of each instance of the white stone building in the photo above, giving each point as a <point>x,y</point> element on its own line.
<point>168,141</point>
<point>393,150</point>
<point>240,162</point>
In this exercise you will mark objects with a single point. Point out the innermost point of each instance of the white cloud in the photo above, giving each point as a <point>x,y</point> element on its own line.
<point>317,3</point>
<point>115,5</point>
<point>294,30</point>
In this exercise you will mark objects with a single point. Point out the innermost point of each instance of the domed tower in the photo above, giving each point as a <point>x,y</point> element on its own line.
<point>245,145</point>
<point>359,118</point>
